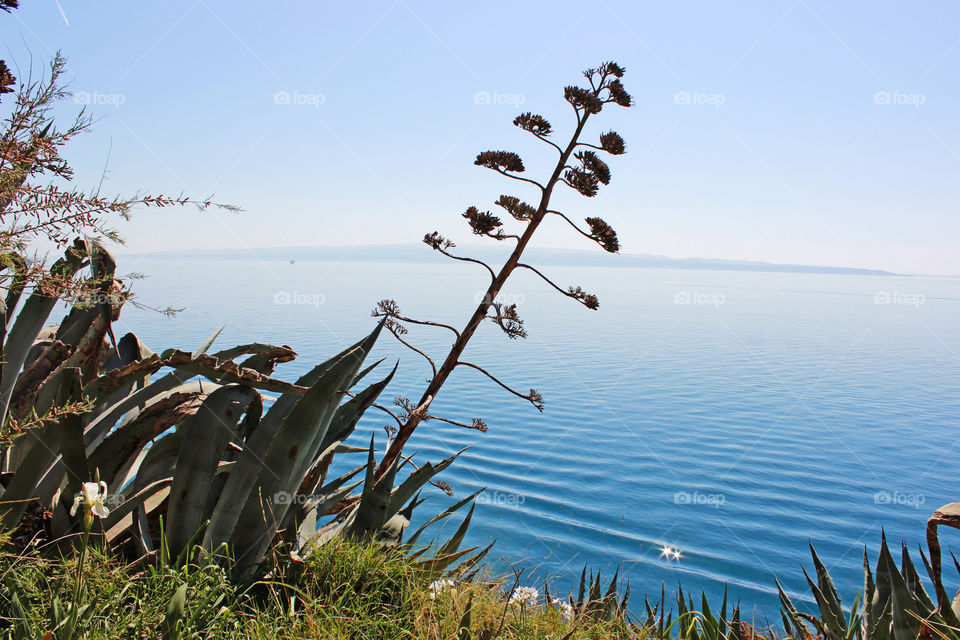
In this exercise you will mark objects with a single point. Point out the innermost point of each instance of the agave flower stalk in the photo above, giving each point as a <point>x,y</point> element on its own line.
<point>580,168</point>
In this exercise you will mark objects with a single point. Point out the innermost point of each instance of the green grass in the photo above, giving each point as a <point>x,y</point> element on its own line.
<point>343,590</point>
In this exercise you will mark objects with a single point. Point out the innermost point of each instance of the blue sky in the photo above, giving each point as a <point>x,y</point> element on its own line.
<point>758,131</point>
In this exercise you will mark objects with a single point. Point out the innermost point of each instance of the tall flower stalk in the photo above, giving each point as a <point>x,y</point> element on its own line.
<point>579,167</point>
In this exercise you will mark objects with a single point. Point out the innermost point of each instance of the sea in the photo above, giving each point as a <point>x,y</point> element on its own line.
<point>734,417</point>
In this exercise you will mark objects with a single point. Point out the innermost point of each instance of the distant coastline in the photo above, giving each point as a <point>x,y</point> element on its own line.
<point>418,253</point>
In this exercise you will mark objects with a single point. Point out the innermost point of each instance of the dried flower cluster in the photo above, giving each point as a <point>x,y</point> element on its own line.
<point>517,208</point>
<point>482,222</point>
<point>500,161</point>
<point>604,235</point>
<point>535,124</point>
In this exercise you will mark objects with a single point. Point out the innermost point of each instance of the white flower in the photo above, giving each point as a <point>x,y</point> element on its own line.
<point>565,609</point>
<point>525,596</point>
<point>439,586</point>
<point>91,497</point>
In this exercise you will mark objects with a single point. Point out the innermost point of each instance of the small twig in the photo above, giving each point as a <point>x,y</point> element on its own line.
<point>392,329</point>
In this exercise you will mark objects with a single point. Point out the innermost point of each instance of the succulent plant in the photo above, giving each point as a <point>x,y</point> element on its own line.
<point>893,605</point>
<point>187,437</point>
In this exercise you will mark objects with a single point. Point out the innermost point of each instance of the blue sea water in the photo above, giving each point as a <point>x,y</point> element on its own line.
<point>736,416</point>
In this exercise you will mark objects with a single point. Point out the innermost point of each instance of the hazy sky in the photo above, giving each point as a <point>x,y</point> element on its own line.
<point>758,131</point>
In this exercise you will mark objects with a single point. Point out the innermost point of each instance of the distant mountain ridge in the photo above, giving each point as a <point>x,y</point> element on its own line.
<point>419,253</point>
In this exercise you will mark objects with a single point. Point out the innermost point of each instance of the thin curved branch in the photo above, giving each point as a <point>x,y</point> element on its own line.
<point>392,329</point>
<point>550,142</point>
<point>476,423</point>
<point>500,235</point>
<point>573,224</point>
<point>549,281</point>
<point>533,397</point>
<point>422,322</point>
<point>510,175</point>
<point>592,146</point>
<point>493,276</point>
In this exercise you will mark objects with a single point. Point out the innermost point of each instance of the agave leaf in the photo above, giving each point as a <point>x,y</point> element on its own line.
<point>378,503</point>
<point>203,348</point>
<point>148,498</point>
<point>29,322</point>
<point>468,569</point>
<point>416,480</point>
<point>18,265</point>
<point>610,597</point>
<point>254,349</point>
<point>41,461</point>
<point>72,451</point>
<point>831,611</point>
<point>437,565</point>
<point>914,584</point>
<point>788,608</point>
<point>363,373</point>
<point>242,481</point>
<point>594,600</point>
<point>125,442</point>
<point>440,516</point>
<point>463,629</point>
<point>101,422</point>
<point>292,450</point>
<point>44,358</point>
<point>905,623</point>
<point>321,502</point>
<point>347,416</point>
<point>158,463</point>
<point>310,506</point>
<point>869,592</point>
<point>882,596</point>
<point>853,623</point>
<point>129,350</point>
<point>85,327</point>
<point>580,592</point>
<point>456,539</point>
<point>204,436</point>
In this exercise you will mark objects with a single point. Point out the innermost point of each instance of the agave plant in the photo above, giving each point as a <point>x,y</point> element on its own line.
<point>182,440</point>
<point>893,605</point>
